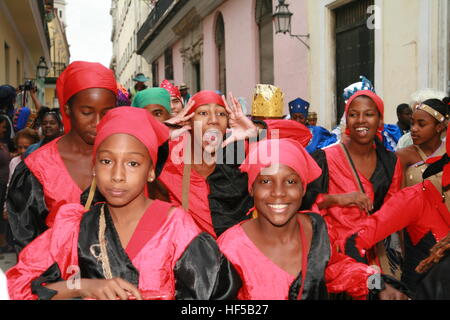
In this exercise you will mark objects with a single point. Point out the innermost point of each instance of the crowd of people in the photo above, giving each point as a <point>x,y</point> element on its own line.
<point>151,193</point>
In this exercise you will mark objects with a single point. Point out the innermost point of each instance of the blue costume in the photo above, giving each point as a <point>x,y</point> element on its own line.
<point>321,137</point>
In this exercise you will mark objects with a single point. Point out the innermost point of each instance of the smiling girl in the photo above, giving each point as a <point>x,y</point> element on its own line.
<point>359,175</point>
<point>429,121</point>
<point>283,253</point>
<point>128,247</point>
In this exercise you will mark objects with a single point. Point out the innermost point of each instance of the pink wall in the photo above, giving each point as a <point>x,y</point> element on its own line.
<point>291,56</point>
<point>210,72</point>
<point>240,45</point>
<point>161,66</point>
<point>177,63</point>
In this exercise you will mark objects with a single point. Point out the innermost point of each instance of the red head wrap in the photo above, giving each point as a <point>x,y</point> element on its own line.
<point>138,123</point>
<point>173,90</point>
<point>205,97</point>
<point>283,151</point>
<point>376,99</point>
<point>81,75</point>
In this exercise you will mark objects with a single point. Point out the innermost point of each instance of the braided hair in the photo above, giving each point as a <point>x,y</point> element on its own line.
<point>436,254</point>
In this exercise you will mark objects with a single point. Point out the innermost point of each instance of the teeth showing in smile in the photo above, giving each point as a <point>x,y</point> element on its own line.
<point>362,129</point>
<point>278,206</point>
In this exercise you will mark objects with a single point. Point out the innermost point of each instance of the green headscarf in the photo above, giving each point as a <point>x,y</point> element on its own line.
<point>152,96</point>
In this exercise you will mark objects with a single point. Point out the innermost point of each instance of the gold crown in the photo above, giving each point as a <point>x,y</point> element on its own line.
<point>268,101</point>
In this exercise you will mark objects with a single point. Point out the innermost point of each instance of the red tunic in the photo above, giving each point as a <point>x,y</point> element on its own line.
<point>154,258</point>
<point>341,180</point>
<point>262,279</point>
<point>172,174</point>
<point>172,177</point>
<point>49,169</point>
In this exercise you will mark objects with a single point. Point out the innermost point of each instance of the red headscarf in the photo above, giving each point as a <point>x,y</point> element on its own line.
<point>173,90</point>
<point>378,102</point>
<point>205,97</point>
<point>136,122</point>
<point>283,151</point>
<point>81,75</point>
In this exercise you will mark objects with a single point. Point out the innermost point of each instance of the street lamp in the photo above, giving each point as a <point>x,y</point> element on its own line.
<point>42,68</point>
<point>282,20</point>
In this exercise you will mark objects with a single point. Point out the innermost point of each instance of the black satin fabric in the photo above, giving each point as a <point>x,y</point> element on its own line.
<point>413,256</point>
<point>51,275</point>
<point>229,199</point>
<point>88,245</point>
<point>203,272</point>
<point>318,186</point>
<point>382,176</point>
<point>318,257</point>
<point>435,284</point>
<point>26,207</point>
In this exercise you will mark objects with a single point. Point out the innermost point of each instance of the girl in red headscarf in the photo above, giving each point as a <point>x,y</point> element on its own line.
<point>58,172</point>
<point>128,246</point>
<point>359,175</point>
<point>422,210</point>
<point>215,191</point>
<point>283,253</point>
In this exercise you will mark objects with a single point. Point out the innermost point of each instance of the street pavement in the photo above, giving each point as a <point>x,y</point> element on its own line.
<point>7,260</point>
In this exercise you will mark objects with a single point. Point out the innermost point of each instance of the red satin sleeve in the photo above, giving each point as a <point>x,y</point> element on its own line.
<point>406,208</point>
<point>343,274</point>
<point>56,245</point>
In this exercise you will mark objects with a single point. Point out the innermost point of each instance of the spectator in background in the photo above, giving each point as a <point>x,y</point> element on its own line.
<point>123,96</point>
<point>7,100</point>
<point>418,98</point>
<point>312,119</point>
<point>176,101</point>
<point>184,93</point>
<point>24,138</point>
<point>321,137</point>
<point>140,79</point>
<point>404,115</point>
<point>4,172</point>
<point>156,101</point>
<point>49,124</point>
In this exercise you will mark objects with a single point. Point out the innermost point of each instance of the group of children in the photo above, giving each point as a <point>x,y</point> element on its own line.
<point>203,203</point>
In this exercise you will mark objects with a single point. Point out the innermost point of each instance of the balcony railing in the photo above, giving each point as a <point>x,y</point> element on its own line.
<point>56,70</point>
<point>158,11</point>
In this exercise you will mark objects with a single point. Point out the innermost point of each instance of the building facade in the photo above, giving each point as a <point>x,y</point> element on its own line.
<point>402,46</point>
<point>231,45</point>
<point>59,51</point>
<point>24,39</point>
<point>225,45</point>
<point>128,16</point>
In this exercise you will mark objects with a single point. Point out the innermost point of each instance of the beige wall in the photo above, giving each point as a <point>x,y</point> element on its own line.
<point>16,53</point>
<point>410,53</point>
